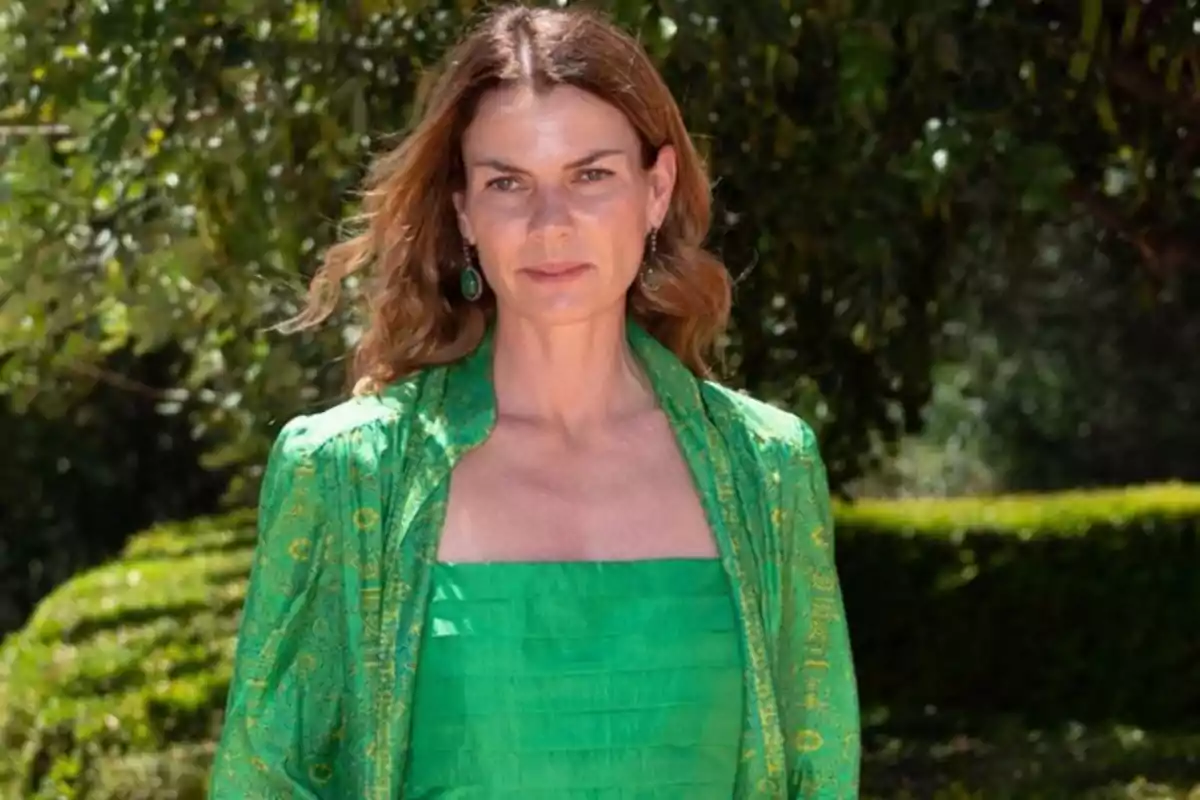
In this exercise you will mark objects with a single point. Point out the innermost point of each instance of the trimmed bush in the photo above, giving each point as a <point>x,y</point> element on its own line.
<point>1076,606</point>
<point>1068,607</point>
<point>115,687</point>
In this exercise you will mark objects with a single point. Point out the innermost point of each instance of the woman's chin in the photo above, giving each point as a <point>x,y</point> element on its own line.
<point>561,309</point>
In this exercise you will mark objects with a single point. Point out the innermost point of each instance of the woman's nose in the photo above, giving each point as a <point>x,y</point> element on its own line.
<point>551,208</point>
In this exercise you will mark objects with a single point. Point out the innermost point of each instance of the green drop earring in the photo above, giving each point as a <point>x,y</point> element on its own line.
<point>469,280</point>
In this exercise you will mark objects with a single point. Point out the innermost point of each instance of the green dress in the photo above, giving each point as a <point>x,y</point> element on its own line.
<point>598,680</point>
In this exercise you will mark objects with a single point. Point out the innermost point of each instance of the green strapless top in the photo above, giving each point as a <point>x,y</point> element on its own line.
<point>578,680</point>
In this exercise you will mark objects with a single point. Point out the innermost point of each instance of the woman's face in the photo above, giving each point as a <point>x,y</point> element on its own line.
<point>557,201</point>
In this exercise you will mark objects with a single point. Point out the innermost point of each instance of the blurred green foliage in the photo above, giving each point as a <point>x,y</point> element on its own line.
<point>197,159</point>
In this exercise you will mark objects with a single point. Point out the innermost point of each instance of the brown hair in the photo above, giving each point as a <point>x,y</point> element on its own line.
<point>410,241</point>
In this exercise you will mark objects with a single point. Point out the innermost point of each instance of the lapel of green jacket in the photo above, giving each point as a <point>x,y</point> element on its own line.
<point>762,773</point>
<point>448,411</point>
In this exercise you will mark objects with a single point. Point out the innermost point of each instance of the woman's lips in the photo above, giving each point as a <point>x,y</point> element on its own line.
<point>556,272</point>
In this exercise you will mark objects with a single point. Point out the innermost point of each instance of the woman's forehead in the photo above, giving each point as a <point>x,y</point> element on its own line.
<point>561,124</point>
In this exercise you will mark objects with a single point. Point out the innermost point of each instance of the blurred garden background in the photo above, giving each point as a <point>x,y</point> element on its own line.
<point>967,246</point>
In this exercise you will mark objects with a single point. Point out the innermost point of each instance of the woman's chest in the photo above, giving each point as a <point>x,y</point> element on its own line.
<point>517,499</point>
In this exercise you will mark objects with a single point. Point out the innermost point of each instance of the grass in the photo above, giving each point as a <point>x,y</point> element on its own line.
<point>1004,761</point>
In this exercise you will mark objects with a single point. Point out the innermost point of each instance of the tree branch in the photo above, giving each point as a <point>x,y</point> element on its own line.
<point>1163,251</point>
<point>1135,79</point>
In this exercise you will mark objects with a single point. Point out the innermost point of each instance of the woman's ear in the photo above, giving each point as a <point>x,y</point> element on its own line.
<point>464,224</point>
<point>662,185</point>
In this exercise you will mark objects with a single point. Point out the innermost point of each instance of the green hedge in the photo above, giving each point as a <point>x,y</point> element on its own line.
<point>1077,606</point>
<point>115,688</point>
<point>1071,607</point>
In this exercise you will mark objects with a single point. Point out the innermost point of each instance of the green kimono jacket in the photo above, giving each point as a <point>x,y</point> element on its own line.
<point>350,515</point>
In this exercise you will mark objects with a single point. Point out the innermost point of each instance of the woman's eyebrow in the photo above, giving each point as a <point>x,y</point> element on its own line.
<point>503,166</point>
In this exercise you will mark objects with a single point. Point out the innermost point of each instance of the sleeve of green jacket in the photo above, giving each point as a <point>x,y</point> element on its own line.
<point>278,737</point>
<point>818,698</point>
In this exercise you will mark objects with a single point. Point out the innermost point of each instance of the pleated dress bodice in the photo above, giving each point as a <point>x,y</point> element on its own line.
<point>598,680</point>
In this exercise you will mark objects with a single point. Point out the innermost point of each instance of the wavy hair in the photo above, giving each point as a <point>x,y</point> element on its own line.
<point>410,246</point>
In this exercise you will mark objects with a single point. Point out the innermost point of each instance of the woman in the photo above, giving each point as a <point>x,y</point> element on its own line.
<point>539,555</point>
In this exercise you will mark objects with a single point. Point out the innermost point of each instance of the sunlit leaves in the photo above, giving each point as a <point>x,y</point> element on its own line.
<point>202,158</point>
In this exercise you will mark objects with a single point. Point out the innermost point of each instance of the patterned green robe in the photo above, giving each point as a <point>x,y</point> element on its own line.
<point>352,506</point>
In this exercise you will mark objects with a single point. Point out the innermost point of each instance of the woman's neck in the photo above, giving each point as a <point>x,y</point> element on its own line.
<point>572,377</point>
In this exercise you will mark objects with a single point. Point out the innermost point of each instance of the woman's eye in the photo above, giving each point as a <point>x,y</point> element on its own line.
<point>502,184</point>
<point>595,174</point>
